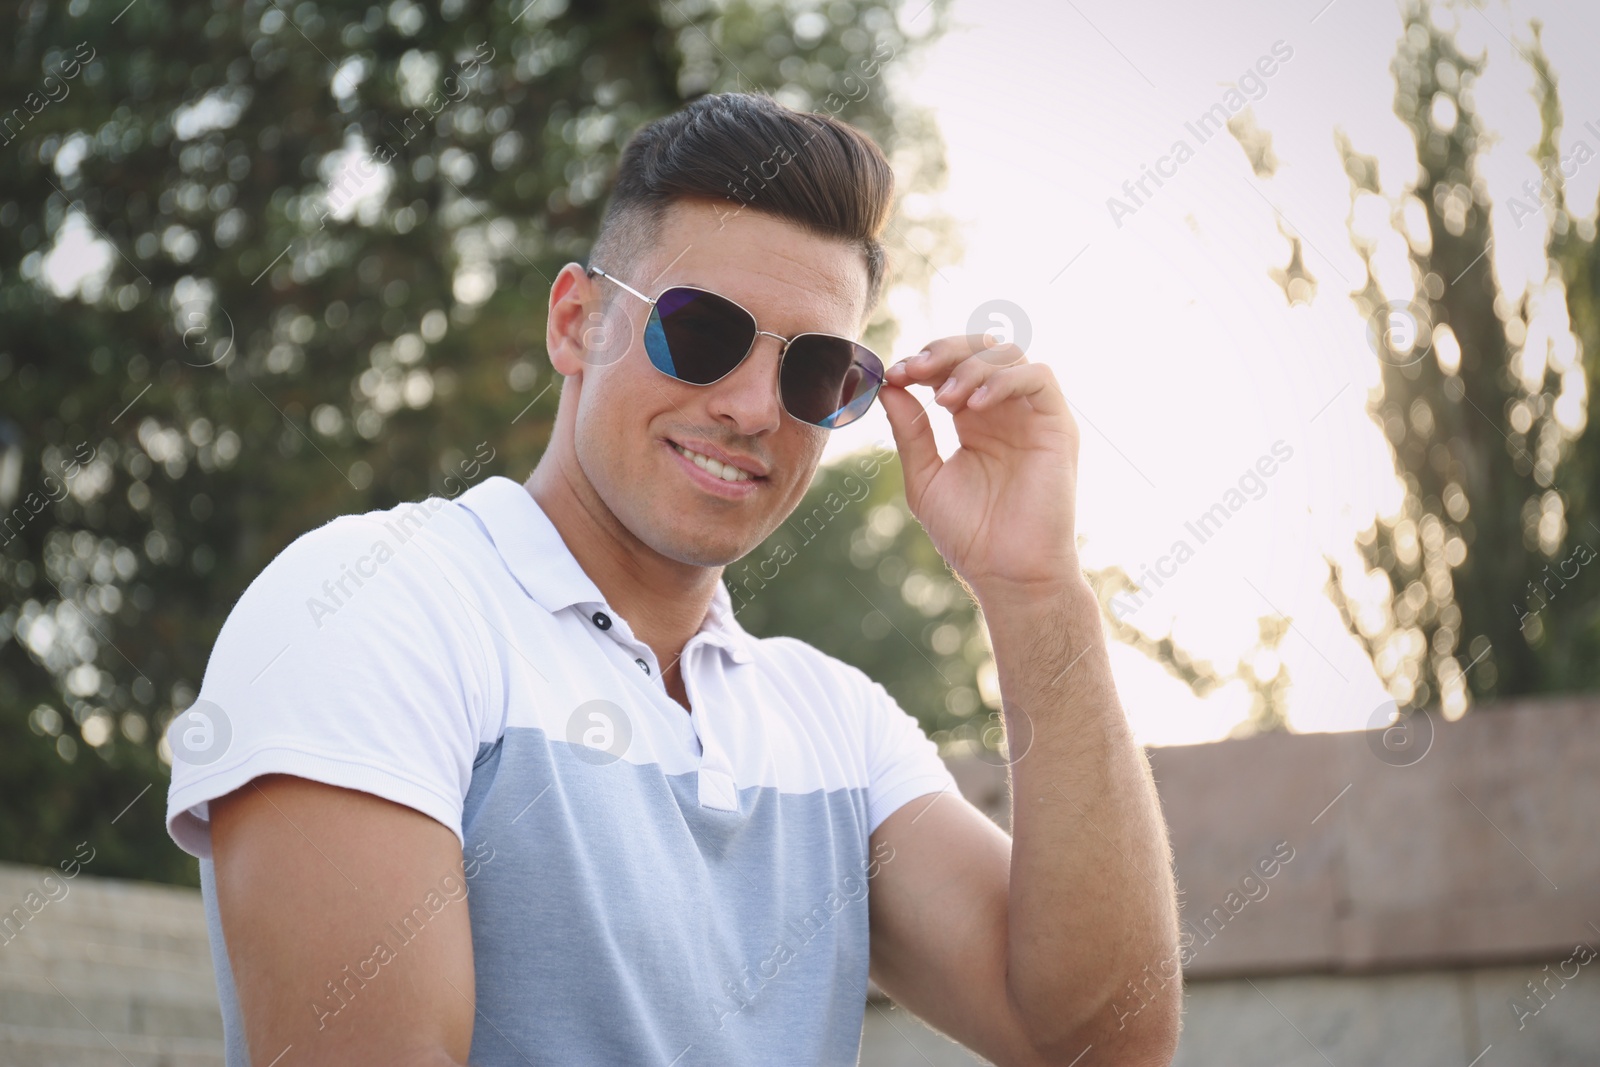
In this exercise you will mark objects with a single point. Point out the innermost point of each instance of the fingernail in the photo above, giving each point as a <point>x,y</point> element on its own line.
<point>921,358</point>
<point>944,390</point>
<point>978,394</point>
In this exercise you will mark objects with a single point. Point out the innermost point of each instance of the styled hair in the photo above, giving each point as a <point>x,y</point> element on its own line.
<point>756,154</point>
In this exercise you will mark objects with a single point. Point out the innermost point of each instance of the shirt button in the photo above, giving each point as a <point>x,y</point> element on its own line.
<point>602,620</point>
<point>643,666</point>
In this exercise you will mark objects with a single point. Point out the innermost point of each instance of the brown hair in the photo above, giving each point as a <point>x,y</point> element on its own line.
<point>748,149</point>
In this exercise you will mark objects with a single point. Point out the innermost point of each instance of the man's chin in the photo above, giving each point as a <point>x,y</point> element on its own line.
<point>698,547</point>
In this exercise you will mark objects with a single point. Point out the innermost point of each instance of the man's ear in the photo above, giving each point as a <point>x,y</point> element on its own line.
<point>570,329</point>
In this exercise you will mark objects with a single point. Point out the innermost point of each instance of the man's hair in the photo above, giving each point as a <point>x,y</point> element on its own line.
<point>755,154</point>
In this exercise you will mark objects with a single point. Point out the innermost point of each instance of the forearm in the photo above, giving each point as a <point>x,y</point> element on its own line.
<point>1091,901</point>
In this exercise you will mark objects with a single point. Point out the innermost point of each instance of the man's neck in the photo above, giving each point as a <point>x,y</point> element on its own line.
<point>663,600</point>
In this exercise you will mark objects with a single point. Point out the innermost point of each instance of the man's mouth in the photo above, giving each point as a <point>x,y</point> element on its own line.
<point>713,466</point>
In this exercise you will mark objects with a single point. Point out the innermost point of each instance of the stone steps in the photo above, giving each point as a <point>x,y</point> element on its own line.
<point>28,1046</point>
<point>108,973</point>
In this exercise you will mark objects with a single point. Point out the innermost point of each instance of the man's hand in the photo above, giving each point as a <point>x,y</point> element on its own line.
<point>1000,509</point>
<point>310,881</point>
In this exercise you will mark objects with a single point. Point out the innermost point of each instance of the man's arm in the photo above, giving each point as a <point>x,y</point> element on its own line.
<point>1067,948</point>
<point>1094,931</point>
<point>339,954</point>
<point>1024,949</point>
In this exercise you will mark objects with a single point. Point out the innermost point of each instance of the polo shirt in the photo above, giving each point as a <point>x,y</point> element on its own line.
<point>645,885</point>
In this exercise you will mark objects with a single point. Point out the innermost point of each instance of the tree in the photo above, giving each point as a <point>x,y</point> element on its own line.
<point>324,234</point>
<point>1480,578</point>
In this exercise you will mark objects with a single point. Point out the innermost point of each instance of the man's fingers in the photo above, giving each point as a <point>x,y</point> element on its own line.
<point>913,439</point>
<point>935,362</point>
<point>954,377</point>
<point>1033,381</point>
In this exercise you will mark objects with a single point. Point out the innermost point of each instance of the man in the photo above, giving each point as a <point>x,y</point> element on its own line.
<point>502,777</point>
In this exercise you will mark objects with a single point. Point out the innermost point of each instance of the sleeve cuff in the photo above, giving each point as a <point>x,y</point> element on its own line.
<point>188,816</point>
<point>887,802</point>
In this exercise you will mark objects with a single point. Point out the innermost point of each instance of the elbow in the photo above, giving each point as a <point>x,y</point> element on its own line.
<point>1150,1042</point>
<point>1155,1046</point>
<point>1115,1036</point>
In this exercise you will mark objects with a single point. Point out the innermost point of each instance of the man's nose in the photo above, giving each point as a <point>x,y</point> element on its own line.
<point>749,396</point>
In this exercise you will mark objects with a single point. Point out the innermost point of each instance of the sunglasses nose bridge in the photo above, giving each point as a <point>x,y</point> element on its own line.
<point>777,379</point>
<point>783,342</point>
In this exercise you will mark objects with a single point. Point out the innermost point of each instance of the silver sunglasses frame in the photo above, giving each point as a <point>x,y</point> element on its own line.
<point>783,343</point>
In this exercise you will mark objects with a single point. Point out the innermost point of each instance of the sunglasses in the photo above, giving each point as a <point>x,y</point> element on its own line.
<point>698,337</point>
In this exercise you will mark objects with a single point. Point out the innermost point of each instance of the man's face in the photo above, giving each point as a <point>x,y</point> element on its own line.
<point>630,416</point>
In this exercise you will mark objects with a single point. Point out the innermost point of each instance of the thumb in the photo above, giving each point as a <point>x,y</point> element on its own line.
<point>913,438</point>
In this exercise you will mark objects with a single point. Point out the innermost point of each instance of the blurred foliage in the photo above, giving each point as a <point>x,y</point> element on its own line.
<point>1484,404</point>
<point>279,330</point>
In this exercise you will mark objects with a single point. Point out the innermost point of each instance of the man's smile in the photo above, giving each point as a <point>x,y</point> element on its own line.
<point>734,477</point>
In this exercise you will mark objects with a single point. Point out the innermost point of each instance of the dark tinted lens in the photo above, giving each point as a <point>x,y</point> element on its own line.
<point>697,336</point>
<point>828,381</point>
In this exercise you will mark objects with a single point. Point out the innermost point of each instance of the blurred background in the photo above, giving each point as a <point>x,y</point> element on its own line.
<point>1319,278</point>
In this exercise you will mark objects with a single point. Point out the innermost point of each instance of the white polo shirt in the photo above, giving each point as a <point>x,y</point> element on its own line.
<point>647,886</point>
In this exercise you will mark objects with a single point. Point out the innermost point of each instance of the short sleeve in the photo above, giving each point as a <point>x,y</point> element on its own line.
<point>350,660</point>
<point>902,762</point>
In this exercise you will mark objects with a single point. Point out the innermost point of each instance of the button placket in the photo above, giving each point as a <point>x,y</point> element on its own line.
<point>717,788</point>
<point>617,629</point>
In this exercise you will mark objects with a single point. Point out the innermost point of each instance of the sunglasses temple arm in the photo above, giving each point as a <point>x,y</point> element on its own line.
<point>623,284</point>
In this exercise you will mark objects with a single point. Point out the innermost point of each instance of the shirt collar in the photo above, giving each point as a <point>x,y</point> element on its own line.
<point>545,567</point>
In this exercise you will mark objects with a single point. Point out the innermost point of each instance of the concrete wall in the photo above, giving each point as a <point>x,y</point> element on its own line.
<point>1433,1018</point>
<point>1475,847</point>
<point>1423,897</point>
<point>1480,851</point>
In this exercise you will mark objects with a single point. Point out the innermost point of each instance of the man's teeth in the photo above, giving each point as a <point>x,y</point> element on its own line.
<point>713,466</point>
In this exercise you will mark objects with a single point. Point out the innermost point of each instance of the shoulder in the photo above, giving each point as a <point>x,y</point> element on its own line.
<point>411,555</point>
<point>353,659</point>
<point>433,519</point>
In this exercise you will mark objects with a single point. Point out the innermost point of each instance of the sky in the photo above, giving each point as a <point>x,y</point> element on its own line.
<point>1181,357</point>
